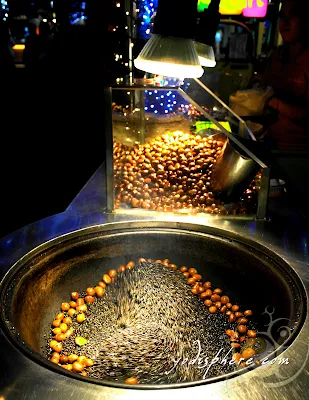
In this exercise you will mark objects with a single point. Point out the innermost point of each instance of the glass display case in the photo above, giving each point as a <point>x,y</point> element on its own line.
<point>174,147</point>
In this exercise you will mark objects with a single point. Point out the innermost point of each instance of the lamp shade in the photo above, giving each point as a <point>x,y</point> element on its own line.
<point>169,56</point>
<point>205,54</point>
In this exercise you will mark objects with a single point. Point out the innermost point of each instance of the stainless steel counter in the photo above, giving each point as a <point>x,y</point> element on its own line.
<point>22,378</point>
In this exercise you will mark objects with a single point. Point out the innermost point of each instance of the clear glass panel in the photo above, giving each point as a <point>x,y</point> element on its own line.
<point>165,153</point>
<point>207,97</point>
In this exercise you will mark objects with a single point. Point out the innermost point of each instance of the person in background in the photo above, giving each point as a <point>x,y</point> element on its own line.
<point>287,72</point>
<point>286,117</point>
<point>32,49</point>
<point>45,40</point>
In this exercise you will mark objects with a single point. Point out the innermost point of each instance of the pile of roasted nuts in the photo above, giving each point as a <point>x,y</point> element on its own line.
<point>242,339</point>
<point>173,172</point>
<point>76,310</point>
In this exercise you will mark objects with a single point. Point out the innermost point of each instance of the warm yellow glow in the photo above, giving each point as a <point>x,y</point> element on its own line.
<point>205,54</point>
<point>169,69</point>
<point>205,62</point>
<point>19,47</point>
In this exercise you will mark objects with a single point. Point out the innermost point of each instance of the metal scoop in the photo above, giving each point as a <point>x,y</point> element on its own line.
<point>234,170</point>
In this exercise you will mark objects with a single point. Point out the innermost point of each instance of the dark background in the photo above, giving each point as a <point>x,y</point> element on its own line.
<point>52,120</point>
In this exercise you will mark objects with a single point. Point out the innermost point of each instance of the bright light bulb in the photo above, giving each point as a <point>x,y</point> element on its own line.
<point>169,56</point>
<point>169,69</point>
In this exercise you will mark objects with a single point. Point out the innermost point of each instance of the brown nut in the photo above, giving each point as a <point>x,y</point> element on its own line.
<point>215,297</point>
<point>232,318</point>
<point>106,279</point>
<point>242,328</point>
<point>248,313</point>
<point>197,277</point>
<point>192,271</point>
<point>112,273</point>
<point>242,320</point>
<point>224,299</point>
<point>191,281</point>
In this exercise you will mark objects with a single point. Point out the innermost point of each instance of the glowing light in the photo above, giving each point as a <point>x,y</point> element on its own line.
<point>255,8</point>
<point>160,103</point>
<point>78,16</point>
<point>206,54</point>
<point>169,69</point>
<point>232,7</point>
<point>206,62</point>
<point>202,4</point>
<point>19,47</point>
<point>4,7</point>
<point>169,56</point>
<point>249,8</point>
<point>145,11</point>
